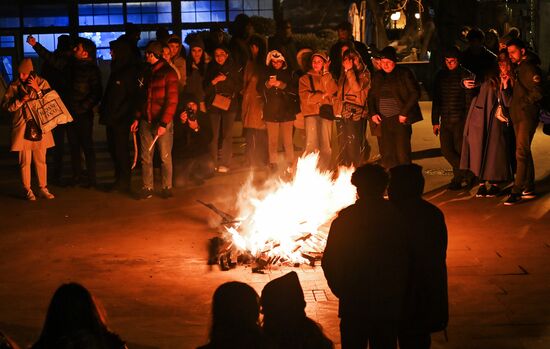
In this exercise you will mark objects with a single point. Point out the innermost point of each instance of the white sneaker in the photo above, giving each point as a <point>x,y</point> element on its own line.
<point>45,194</point>
<point>223,169</point>
<point>30,195</point>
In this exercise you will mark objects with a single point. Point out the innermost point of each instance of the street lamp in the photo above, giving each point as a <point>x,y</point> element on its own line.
<point>395,17</point>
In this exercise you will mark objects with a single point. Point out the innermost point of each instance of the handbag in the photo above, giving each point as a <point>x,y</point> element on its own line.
<point>326,111</point>
<point>32,131</point>
<point>221,102</point>
<point>500,112</point>
<point>352,111</point>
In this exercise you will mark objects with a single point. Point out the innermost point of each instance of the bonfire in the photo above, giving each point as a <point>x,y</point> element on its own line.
<point>286,221</point>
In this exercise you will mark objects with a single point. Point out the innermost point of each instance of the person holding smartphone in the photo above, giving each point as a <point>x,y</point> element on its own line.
<point>451,102</point>
<point>28,87</point>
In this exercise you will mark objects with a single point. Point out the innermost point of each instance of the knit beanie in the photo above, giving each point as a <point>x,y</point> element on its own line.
<point>196,42</point>
<point>25,66</point>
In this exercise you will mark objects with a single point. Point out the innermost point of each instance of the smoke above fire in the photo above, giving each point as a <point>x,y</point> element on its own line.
<point>287,219</point>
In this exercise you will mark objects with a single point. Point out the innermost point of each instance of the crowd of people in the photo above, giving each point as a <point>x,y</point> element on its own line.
<point>385,260</point>
<point>485,107</point>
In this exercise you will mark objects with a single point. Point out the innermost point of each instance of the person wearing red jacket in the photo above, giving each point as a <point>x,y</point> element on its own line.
<point>154,119</point>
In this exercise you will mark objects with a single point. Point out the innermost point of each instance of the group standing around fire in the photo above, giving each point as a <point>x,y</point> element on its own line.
<point>391,280</point>
<point>485,110</point>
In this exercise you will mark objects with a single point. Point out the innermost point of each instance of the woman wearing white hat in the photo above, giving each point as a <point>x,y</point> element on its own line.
<point>28,87</point>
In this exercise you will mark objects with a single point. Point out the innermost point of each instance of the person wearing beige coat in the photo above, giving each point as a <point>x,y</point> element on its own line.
<point>350,107</point>
<point>317,88</point>
<point>28,87</point>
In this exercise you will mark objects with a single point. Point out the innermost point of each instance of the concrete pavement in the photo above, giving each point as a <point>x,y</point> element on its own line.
<point>146,260</point>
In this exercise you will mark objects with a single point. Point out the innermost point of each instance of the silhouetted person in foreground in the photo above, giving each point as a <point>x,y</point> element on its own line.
<point>426,301</point>
<point>74,320</point>
<point>285,322</point>
<point>235,318</point>
<point>365,264</point>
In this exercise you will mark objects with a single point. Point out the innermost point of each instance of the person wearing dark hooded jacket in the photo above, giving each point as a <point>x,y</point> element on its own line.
<point>285,323</point>
<point>365,264</point>
<point>426,307</point>
<point>118,108</point>
<point>279,90</point>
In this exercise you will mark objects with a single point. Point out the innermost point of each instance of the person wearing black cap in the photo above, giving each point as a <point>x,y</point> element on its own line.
<point>285,323</point>
<point>426,301</point>
<point>393,106</point>
<point>449,110</point>
<point>365,264</point>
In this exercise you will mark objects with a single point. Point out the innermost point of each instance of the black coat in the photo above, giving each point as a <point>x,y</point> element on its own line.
<point>230,87</point>
<point>365,262</point>
<point>280,103</point>
<point>84,87</point>
<point>426,301</point>
<point>407,91</point>
<point>119,103</point>
<point>189,143</point>
<point>451,100</point>
<point>528,90</point>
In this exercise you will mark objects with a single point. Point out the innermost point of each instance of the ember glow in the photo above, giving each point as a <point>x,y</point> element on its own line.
<point>284,220</point>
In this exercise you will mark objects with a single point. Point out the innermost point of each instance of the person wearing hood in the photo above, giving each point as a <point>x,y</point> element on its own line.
<point>279,90</point>
<point>365,263</point>
<point>426,307</point>
<point>317,89</point>
<point>27,87</point>
<point>393,107</point>
<point>350,106</point>
<point>477,58</point>
<point>524,111</point>
<point>285,323</point>
<point>118,108</point>
<point>222,83</point>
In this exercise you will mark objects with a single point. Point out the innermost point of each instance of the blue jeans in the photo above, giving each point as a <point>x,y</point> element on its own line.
<point>318,138</point>
<point>147,133</point>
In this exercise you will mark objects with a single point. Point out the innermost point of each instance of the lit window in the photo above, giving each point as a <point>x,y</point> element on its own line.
<point>145,37</point>
<point>45,15</point>
<point>9,16</point>
<point>7,41</point>
<point>100,14</point>
<point>6,68</point>
<point>102,40</point>
<point>150,12</point>
<point>203,11</point>
<point>263,8</point>
<point>49,41</point>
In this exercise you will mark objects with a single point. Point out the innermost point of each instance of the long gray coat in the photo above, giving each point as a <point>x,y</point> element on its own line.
<point>485,145</point>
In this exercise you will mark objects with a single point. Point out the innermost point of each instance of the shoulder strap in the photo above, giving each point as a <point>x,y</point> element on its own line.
<point>312,86</point>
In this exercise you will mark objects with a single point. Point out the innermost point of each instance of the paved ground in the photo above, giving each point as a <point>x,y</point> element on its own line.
<point>146,260</point>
